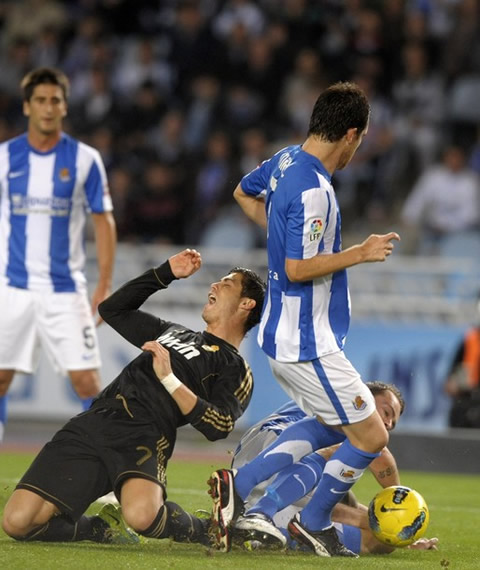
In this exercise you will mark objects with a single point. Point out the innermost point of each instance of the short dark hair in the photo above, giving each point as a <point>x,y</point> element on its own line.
<point>377,387</point>
<point>342,106</point>
<point>41,76</point>
<point>253,287</point>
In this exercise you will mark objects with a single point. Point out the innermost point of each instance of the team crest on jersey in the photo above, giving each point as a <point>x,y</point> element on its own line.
<point>64,175</point>
<point>359,403</point>
<point>316,229</point>
<point>210,348</point>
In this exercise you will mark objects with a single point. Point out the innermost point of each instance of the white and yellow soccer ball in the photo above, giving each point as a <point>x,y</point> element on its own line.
<point>398,516</point>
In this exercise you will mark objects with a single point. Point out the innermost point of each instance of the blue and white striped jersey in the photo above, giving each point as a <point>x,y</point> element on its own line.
<point>44,201</point>
<point>300,321</point>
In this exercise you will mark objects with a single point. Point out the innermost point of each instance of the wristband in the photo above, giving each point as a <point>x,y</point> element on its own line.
<point>171,383</point>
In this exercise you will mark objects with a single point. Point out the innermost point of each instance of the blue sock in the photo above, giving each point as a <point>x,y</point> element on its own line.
<point>296,441</point>
<point>291,485</point>
<point>86,403</point>
<point>343,469</point>
<point>3,415</point>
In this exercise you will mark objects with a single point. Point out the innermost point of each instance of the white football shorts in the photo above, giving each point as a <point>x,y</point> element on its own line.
<point>60,323</point>
<point>328,387</point>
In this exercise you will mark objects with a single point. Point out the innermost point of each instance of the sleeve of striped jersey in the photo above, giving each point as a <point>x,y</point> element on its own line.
<point>96,187</point>
<point>255,183</point>
<point>306,208</point>
<point>121,312</point>
<point>215,419</point>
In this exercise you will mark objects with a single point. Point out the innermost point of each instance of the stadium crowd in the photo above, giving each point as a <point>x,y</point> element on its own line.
<point>183,97</point>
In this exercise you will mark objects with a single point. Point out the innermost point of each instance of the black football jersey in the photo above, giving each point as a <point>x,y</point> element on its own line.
<point>212,368</point>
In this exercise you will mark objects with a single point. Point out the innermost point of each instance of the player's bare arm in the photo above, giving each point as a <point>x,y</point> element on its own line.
<point>105,242</point>
<point>384,469</point>
<point>253,207</point>
<point>374,248</point>
<point>182,395</point>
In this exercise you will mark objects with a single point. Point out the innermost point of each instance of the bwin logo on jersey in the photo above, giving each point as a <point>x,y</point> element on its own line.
<point>284,162</point>
<point>186,348</point>
<point>316,229</point>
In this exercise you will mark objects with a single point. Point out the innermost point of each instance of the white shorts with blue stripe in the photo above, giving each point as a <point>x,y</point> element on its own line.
<point>328,387</point>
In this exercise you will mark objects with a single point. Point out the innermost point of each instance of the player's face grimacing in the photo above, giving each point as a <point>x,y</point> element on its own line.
<point>223,298</point>
<point>389,408</point>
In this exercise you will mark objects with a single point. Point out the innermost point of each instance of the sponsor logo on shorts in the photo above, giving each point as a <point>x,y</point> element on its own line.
<point>359,403</point>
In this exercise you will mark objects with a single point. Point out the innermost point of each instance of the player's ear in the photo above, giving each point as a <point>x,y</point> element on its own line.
<point>247,303</point>
<point>351,135</point>
<point>26,108</point>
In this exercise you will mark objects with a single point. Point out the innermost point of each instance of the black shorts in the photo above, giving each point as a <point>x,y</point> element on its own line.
<point>94,453</point>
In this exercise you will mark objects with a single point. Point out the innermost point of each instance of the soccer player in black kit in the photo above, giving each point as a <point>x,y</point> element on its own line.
<point>123,442</point>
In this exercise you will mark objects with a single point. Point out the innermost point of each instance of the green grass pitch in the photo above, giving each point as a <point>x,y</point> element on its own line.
<point>454,502</point>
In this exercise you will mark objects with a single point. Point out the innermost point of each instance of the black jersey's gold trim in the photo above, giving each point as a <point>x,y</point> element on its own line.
<point>39,491</point>
<point>217,420</point>
<point>243,392</point>
<point>124,402</point>
<point>158,279</point>
<point>147,454</point>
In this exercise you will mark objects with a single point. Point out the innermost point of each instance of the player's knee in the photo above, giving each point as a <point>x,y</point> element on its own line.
<point>379,440</point>
<point>16,523</point>
<point>86,383</point>
<point>6,377</point>
<point>140,516</point>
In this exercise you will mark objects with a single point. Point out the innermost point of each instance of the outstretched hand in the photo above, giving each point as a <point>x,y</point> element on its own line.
<point>378,247</point>
<point>185,263</point>
<point>424,544</point>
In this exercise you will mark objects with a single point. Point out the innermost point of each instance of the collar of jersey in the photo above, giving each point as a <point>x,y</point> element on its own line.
<point>318,163</point>
<point>46,152</point>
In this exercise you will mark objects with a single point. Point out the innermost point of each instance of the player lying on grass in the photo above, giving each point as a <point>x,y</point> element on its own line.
<point>273,503</point>
<point>276,444</point>
<point>123,442</point>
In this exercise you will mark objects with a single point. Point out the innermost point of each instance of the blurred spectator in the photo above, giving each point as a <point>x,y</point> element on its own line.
<point>167,138</point>
<point>463,381</point>
<point>445,201</point>
<point>362,187</point>
<point>212,184</point>
<point>124,192</point>
<point>157,210</point>
<point>202,111</point>
<point>301,89</point>
<point>15,61</point>
<point>143,64</point>
<point>95,103</point>
<point>28,18</point>
<point>419,108</point>
<point>243,12</point>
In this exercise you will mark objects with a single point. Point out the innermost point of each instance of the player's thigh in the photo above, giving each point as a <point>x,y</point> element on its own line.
<point>18,330</point>
<point>68,332</point>
<point>68,471</point>
<point>328,387</point>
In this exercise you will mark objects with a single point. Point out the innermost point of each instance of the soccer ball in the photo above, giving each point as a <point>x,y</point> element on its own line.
<point>398,516</point>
